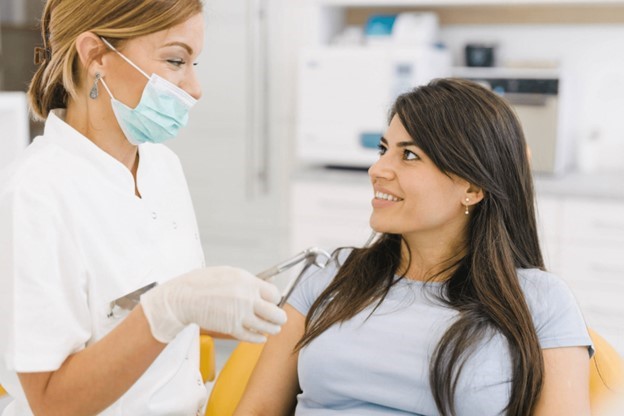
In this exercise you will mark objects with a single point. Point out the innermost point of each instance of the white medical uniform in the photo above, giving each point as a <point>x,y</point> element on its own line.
<point>74,237</point>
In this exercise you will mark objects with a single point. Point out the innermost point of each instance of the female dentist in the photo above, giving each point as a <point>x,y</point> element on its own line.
<point>97,211</point>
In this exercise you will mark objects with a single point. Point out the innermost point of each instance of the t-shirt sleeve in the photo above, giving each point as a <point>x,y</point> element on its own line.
<point>44,315</point>
<point>311,285</point>
<point>556,314</point>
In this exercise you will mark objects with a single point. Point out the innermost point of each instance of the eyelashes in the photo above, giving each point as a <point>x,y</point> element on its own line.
<point>407,154</point>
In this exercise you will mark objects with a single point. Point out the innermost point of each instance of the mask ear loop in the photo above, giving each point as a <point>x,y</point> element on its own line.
<point>106,88</point>
<point>107,43</point>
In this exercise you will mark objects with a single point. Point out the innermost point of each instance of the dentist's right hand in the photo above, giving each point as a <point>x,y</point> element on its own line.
<point>221,299</point>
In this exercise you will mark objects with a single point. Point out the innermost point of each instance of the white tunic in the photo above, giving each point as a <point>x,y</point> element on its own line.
<point>74,237</point>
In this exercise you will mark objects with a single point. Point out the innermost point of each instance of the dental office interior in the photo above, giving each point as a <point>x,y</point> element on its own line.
<point>295,99</point>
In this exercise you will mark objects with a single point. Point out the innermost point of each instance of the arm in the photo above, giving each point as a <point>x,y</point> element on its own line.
<point>219,299</point>
<point>92,379</point>
<point>566,382</point>
<point>273,386</point>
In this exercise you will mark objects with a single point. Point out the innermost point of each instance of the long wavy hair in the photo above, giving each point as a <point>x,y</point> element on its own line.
<point>470,132</point>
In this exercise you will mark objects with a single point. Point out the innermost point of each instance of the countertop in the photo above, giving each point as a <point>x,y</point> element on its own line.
<point>572,184</point>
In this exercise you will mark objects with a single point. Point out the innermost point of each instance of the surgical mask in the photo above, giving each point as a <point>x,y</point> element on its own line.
<point>161,112</point>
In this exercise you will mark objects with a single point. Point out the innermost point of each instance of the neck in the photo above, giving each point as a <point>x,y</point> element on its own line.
<point>95,120</point>
<point>434,260</point>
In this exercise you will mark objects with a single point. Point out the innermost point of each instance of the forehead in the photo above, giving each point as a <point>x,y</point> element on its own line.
<point>190,32</point>
<point>396,132</point>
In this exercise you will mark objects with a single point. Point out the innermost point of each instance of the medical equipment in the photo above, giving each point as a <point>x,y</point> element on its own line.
<point>310,257</point>
<point>129,301</point>
<point>345,94</point>
<point>540,97</point>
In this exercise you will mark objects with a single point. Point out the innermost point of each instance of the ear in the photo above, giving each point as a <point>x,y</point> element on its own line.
<point>473,195</point>
<point>91,50</point>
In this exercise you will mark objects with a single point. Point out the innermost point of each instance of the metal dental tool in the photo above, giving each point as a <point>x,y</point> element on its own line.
<point>129,301</point>
<point>311,256</point>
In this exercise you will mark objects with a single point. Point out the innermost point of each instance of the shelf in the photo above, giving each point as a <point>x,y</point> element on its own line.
<point>479,12</point>
<point>456,3</point>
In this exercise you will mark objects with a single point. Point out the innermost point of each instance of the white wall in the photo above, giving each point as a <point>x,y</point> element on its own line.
<point>242,221</point>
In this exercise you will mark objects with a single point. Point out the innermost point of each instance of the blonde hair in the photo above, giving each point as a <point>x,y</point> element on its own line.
<point>58,75</point>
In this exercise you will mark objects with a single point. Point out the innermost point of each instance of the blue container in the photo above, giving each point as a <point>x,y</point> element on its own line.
<point>379,25</point>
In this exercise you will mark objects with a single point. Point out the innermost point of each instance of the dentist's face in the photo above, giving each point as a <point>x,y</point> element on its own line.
<point>169,53</point>
<point>412,196</point>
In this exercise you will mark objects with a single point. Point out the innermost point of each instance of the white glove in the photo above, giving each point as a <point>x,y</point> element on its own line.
<point>220,299</point>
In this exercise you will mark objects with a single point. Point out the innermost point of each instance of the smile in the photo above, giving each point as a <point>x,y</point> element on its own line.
<point>387,197</point>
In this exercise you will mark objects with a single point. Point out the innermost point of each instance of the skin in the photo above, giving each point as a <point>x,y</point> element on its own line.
<point>430,214</point>
<point>95,377</point>
<point>95,118</point>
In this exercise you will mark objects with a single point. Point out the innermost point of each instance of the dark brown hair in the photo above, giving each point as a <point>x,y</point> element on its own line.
<point>58,75</point>
<point>470,132</point>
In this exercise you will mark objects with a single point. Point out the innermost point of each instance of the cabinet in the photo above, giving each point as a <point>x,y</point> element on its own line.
<point>330,215</point>
<point>582,238</point>
<point>591,249</point>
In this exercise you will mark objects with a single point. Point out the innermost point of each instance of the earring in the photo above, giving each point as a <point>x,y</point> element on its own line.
<point>466,206</point>
<point>93,94</point>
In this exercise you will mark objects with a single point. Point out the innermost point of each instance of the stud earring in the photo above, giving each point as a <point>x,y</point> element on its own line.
<point>93,94</point>
<point>466,206</point>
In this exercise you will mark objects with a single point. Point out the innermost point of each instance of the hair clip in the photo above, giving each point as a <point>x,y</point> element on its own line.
<point>42,55</point>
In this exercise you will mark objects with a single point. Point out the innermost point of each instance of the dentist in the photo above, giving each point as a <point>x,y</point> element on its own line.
<point>97,208</point>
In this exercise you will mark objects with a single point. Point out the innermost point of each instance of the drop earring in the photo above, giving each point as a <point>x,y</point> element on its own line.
<point>466,206</point>
<point>93,94</point>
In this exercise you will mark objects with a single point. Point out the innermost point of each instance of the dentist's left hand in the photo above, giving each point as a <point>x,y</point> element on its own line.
<point>221,299</point>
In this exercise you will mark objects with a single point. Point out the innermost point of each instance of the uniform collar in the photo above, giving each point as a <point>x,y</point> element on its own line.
<point>65,136</point>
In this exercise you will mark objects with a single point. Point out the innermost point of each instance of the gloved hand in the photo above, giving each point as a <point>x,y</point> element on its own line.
<point>220,299</point>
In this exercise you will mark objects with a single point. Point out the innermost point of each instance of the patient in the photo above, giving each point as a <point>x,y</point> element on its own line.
<point>450,310</point>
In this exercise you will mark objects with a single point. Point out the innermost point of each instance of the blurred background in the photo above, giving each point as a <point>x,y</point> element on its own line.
<point>296,94</point>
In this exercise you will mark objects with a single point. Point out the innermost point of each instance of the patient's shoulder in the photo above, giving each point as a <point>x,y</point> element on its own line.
<point>315,281</point>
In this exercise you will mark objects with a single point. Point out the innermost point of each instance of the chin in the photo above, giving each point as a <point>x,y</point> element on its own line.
<point>383,228</point>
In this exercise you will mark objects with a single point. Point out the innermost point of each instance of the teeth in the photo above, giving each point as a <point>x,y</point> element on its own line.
<point>387,197</point>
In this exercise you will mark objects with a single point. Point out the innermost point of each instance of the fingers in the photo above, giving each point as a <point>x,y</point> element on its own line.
<point>269,292</point>
<point>269,312</point>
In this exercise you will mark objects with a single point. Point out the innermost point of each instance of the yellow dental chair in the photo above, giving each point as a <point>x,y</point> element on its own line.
<point>606,375</point>
<point>606,379</point>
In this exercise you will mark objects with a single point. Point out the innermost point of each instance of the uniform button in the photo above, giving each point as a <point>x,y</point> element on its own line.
<point>175,225</point>
<point>199,382</point>
<point>154,215</point>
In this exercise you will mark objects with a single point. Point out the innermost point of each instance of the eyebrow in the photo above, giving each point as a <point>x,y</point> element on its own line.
<point>399,144</point>
<point>181,44</point>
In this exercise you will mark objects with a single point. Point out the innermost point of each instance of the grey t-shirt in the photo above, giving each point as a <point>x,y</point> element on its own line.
<point>380,365</point>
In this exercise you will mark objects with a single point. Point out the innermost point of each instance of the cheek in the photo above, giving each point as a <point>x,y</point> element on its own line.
<point>434,204</point>
<point>129,87</point>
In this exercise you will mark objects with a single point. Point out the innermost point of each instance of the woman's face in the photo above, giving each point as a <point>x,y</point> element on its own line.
<point>412,196</point>
<point>169,53</point>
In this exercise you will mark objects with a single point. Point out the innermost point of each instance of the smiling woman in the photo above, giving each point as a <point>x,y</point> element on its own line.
<point>104,282</point>
<point>450,310</point>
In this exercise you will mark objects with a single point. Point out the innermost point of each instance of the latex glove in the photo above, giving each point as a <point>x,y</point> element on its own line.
<point>220,299</point>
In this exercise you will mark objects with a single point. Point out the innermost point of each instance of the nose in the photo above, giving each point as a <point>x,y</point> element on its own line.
<point>192,86</point>
<point>382,168</point>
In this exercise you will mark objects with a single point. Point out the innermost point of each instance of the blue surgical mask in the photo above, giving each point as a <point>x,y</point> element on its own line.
<point>161,113</point>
